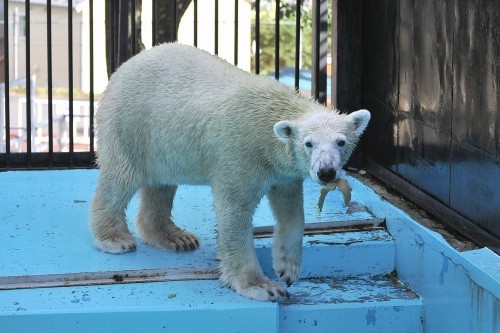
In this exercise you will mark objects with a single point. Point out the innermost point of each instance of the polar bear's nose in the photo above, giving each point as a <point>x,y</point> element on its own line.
<point>326,174</point>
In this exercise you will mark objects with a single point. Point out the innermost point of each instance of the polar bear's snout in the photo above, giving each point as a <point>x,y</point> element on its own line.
<point>327,174</point>
<point>325,164</point>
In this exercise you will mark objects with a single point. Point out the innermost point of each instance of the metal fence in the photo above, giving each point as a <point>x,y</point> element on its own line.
<point>42,130</point>
<point>429,134</point>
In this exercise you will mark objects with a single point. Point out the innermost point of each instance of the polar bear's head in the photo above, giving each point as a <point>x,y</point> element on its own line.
<point>323,141</point>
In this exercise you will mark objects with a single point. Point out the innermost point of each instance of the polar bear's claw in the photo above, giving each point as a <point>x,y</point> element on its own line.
<point>171,238</point>
<point>183,242</point>
<point>264,290</point>
<point>287,266</point>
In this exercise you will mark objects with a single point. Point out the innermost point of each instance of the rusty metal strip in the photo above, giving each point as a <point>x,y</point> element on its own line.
<point>328,227</point>
<point>106,278</point>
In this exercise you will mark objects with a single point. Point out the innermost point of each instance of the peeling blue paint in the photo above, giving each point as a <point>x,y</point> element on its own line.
<point>371,319</point>
<point>444,270</point>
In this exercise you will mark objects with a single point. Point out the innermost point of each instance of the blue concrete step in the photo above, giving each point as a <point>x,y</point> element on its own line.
<point>356,304</point>
<point>45,242</point>
<point>339,254</point>
<point>352,304</point>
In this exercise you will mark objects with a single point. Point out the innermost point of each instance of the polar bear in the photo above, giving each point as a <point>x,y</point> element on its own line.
<point>177,115</point>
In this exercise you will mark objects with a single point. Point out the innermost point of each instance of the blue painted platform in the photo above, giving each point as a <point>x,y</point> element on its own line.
<point>55,280</point>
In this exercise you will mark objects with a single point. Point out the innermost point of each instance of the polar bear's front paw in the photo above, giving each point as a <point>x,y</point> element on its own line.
<point>262,290</point>
<point>116,242</point>
<point>287,266</point>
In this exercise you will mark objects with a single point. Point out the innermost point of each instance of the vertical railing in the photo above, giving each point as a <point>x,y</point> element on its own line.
<point>133,34</point>
<point>123,22</point>
<point>277,41</point>
<point>298,42</point>
<point>49,81</point>
<point>91,76</point>
<point>5,93</point>
<point>216,27</point>
<point>320,49</point>
<point>154,5</point>
<point>236,33</point>
<point>29,135</point>
<point>257,36</point>
<point>70,80</point>
<point>195,23</point>
<point>111,46</point>
<point>174,18</point>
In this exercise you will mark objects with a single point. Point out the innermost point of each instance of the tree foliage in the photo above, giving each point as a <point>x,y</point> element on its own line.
<point>287,37</point>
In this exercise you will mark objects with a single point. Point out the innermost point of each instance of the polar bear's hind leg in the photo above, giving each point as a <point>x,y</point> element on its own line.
<point>154,222</point>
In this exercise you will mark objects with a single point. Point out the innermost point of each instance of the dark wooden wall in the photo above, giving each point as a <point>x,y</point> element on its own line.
<point>430,75</point>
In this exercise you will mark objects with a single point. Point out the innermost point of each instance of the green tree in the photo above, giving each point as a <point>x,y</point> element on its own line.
<point>287,37</point>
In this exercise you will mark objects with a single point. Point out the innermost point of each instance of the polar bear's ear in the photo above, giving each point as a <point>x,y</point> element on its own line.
<point>360,120</point>
<point>284,130</point>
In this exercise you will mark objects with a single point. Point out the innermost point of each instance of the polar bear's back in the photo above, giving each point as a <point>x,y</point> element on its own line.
<point>175,69</point>
<point>178,102</point>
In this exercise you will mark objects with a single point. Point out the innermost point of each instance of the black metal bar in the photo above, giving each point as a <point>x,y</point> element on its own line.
<point>91,74</point>
<point>132,27</point>
<point>320,49</point>
<point>153,22</point>
<point>297,43</point>
<point>123,32</point>
<point>216,23</point>
<point>112,43</point>
<point>28,79</point>
<point>277,41</point>
<point>257,36</point>
<point>49,80</point>
<point>70,78</point>
<point>195,23</point>
<point>347,54</point>
<point>6,84</point>
<point>235,32</point>
<point>174,18</point>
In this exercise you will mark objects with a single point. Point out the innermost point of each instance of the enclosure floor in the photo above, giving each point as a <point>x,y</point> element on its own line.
<point>45,238</point>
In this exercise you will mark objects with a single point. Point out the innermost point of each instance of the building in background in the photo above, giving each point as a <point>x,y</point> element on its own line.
<point>18,31</point>
<point>33,23</point>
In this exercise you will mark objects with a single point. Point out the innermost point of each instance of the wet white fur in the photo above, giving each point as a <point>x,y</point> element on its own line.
<point>177,115</point>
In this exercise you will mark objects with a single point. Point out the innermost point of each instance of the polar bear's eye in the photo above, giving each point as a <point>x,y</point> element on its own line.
<point>309,144</point>
<point>341,143</point>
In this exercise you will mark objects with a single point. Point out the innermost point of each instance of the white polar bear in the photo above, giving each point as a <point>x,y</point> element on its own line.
<point>178,115</point>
